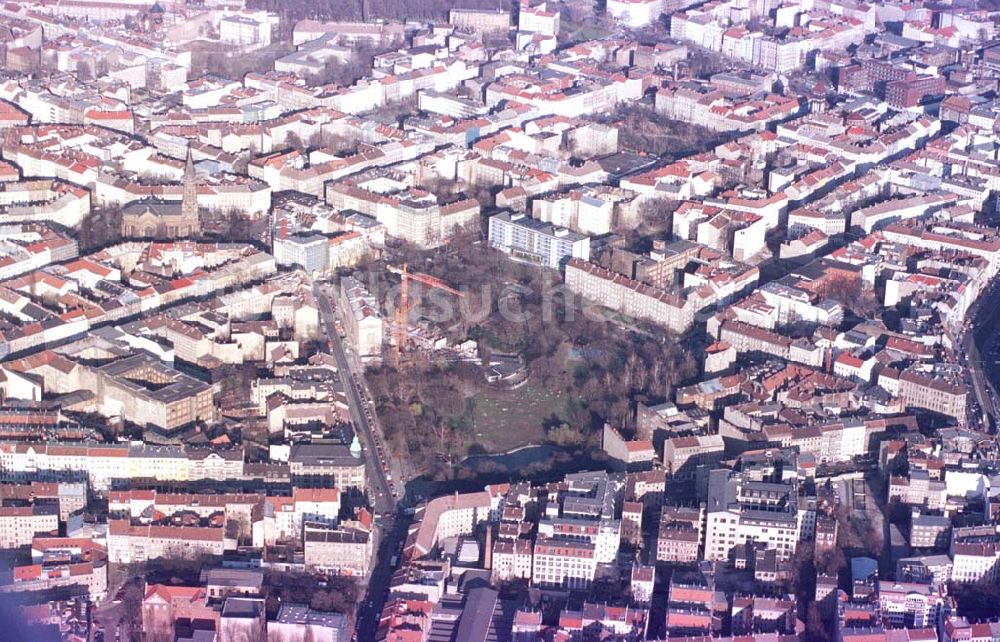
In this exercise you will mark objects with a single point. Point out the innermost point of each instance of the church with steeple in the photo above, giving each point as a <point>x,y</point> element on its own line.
<point>165,220</point>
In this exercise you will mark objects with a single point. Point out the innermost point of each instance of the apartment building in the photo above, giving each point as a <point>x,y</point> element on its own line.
<point>592,210</point>
<point>975,553</point>
<point>604,534</point>
<point>925,569</point>
<point>512,560</point>
<point>538,19</point>
<point>534,241</point>
<point>362,319</point>
<point>693,609</point>
<point>449,516</point>
<point>265,520</point>
<point>913,90</point>
<point>89,579</point>
<point>409,215</point>
<point>245,30</point>
<point>143,390</point>
<point>128,543</point>
<point>308,251</point>
<point>946,396</point>
<point>628,296</point>
<point>739,234</point>
<point>882,214</point>
<point>570,95</point>
<point>340,464</point>
<point>831,441</point>
<point>635,13</point>
<point>918,488</point>
<point>33,201</point>
<point>632,454</point>
<point>974,561</point>
<point>930,531</point>
<point>907,604</point>
<point>678,539</point>
<point>101,464</point>
<point>794,302</point>
<point>683,455</point>
<point>344,550</point>
<point>742,508</point>
<point>480,20</point>
<point>20,524</point>
<point>71,497</point>
<point>563,563</point>
<point>631,523</point>
<point>826,528</point>
<point>706,105</point>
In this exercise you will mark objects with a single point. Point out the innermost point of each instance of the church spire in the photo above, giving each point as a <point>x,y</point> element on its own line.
<point>189,201</point>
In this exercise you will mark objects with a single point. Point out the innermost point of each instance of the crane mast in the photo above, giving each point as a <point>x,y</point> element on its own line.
<point>403,310</point>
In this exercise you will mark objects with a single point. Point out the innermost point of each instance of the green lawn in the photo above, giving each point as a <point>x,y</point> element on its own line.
<point>506,419</point>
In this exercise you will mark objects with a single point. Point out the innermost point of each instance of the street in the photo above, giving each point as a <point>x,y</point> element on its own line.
<point>370,609</point>
<point>391,526</point>
<point>979,349</point>
<point>362,415</point>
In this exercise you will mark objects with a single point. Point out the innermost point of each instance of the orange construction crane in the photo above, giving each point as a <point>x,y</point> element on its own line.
<point>403,310</point>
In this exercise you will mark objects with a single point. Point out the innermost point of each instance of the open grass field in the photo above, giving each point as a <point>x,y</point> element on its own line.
<point>505,419</point>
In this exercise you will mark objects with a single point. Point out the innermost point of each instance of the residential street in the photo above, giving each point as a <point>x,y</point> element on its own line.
<point>390,527</point>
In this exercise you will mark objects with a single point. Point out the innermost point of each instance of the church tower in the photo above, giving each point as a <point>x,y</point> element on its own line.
<point>189,201</point>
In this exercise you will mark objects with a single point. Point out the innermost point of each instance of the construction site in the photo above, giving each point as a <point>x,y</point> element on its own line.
<point>391,322</point>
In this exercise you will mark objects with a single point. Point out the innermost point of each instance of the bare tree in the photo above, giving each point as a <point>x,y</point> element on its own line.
<point>101,228</point>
